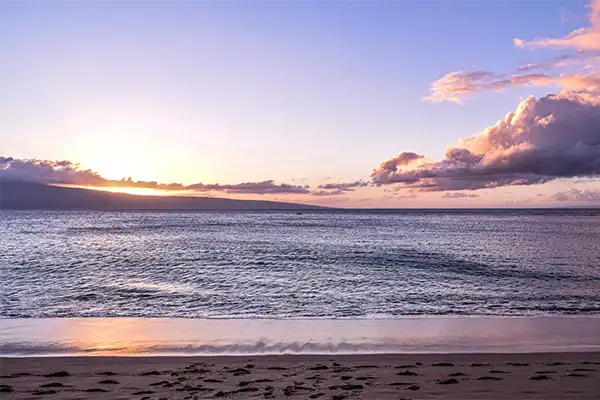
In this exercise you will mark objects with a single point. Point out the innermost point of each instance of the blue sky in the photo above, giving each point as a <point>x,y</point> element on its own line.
<point>192,91</point>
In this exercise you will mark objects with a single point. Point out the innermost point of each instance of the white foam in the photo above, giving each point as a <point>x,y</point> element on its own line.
<point>165,336</point>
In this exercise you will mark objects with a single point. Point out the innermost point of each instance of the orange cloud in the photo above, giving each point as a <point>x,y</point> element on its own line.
<point>458,85</point>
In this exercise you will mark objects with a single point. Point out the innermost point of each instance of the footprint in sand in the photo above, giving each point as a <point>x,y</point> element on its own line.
<point>59,374</point>
<point>150,373</point>
<point>540,378</point>
<point>44,392</point>
<point>576,375</point>
<point>366,366</point>
<point>239,372</point>
<point>407,373</point>
<point>52,384</point>
<point>161,383</point>
<point>6,389</point>
<point>489,378</point>
<point>107,373</point>
<point>450,381</point>
<point>352,387</point>
<point>443,364</point>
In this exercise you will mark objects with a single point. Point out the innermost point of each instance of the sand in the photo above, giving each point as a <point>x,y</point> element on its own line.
<point>390,376</point>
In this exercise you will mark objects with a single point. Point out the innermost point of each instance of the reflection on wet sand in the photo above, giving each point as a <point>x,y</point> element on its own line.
<point>155,336</point>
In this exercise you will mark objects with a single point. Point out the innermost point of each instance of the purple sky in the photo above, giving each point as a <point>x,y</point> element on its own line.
<point>314,102</point>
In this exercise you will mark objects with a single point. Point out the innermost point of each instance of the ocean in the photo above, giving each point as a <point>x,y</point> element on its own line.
<point>312,265</point>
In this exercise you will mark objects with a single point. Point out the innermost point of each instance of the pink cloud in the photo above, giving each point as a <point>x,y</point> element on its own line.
<point>456,86</point>
<point>557,136</point>
<point>587,38</point>
<point>575,195</point>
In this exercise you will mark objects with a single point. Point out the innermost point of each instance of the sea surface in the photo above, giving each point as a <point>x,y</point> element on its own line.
<point>284,265</point>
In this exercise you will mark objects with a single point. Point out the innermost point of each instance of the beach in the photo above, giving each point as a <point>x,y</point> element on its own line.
<point>410,358</point>
<point>375,376</point>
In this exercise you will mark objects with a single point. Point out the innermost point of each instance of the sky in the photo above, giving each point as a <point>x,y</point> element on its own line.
<point>342,103</point>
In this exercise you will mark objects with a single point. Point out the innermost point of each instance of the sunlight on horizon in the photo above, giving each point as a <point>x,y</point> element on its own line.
<point>128,190</point>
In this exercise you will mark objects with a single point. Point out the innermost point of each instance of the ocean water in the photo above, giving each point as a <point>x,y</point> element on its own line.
<point>328,265</point>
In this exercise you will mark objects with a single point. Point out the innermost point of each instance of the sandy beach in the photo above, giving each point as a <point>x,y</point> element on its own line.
<point>391,376</point>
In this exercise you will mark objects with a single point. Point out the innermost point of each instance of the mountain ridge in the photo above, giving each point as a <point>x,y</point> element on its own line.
<point>36,196</point>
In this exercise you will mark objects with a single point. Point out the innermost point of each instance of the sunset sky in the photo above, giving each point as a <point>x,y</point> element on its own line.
<point>352,104</point>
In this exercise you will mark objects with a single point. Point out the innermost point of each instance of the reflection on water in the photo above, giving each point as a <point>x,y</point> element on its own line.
<point>143,336</point>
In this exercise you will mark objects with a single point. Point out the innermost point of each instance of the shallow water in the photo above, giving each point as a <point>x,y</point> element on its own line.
<point>166,336</point>
<point>285,265</point>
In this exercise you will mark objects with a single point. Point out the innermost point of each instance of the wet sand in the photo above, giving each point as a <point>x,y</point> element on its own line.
<point>391,376</point>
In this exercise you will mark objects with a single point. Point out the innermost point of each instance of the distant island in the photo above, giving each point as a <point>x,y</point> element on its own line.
<point>35,196</point>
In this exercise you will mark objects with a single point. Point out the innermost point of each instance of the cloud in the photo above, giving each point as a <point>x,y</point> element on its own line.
<point>556,136</point>
<point>390,167</point>
<point>264,187</point>
<point>68,173</point>
<point>459,85</point>
<point>577,196</point>
<point>325,193</point>
<point>343,186</point>
<point>48,172</point>
<point>579,57</point>
<point>456,86</point>
<point>459,195</point>
<point>586,38</point>
<point>404,196</point>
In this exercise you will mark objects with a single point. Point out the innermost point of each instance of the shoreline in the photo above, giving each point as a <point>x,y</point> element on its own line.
<point>560,375</point>
<point>201,337</point>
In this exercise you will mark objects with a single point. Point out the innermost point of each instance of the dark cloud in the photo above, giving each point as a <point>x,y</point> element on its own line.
<point>459,195</point>
<point>577,196</point>
<point>557,136</point>
<point>264,187</point>
<point>48,172</point>
<point>388,170</point>
<point>68,173</point>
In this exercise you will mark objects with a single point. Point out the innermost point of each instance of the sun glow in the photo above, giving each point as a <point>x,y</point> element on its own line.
<point>129,190</point>
<point>133,190</point>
